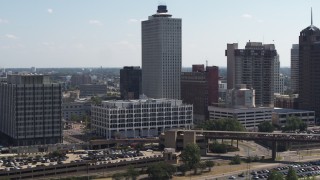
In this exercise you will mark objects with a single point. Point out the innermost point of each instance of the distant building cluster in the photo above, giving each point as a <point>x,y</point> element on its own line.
<point>148,100</point>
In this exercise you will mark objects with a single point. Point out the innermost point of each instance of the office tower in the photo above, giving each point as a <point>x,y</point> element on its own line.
<point>200,88</point>
<point>281,83</point>
<point>161,55</point>
<point>295,68</point>
<point>309,69</point>
<point>30,110</point>
<point>130,82</point>
<point>276,75</point>
<point>253,66</point>
<point>140,118</point>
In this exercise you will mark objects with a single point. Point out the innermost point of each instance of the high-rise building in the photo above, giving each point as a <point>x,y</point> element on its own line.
<point>161,55</point>
<point>276,75</point>
<point>295,68</point>
<point>253,66</point>
<point>309,65</point>
<point>30,110</point>
<point>200,88</point>
<point>281,83</point>
<point>130,82</point>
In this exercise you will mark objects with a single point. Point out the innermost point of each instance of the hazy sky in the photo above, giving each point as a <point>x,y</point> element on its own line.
<point>107,33</point>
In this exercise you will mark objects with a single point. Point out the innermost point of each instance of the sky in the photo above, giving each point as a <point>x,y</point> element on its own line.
<point>107,33</point>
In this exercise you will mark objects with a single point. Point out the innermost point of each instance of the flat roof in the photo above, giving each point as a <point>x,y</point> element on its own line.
<point>285,110</point>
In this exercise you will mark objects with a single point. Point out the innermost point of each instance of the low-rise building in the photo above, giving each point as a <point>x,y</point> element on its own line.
<point>286,101</point>
<point>76,109</point>
<point>140,118</point>
<point>280,116</point>
<point>250,118</point>
<point>93,90</point>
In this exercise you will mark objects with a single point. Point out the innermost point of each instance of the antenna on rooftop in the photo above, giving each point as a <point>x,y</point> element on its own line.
<point>206,63</point>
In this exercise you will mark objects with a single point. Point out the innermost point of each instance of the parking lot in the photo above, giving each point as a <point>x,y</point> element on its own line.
<point>307,169</point>
<point>95,157</point>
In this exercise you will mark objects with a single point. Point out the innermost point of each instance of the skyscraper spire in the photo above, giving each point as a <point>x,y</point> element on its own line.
<point>311,17</point>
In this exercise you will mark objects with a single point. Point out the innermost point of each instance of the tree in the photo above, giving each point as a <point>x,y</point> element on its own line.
<point>266,126</point>
<point>202,166</point>
<point>275,175</point>
<point>292,175</point>
<point>191,156</point>
<point>132,173</point>
<point>160,171</point>
<point>225,124</point>
<point>183,169</point>
<point>209,164</point>
<point>293,123</point>
<point>117,176</point>
<point>218,148</point>
<point>96,100</point>
<point>236,160</point>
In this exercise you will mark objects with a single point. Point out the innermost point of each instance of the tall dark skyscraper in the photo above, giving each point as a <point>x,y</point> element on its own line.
<point>130,82</point>
<point>295,68</point>
<point>309,69</point>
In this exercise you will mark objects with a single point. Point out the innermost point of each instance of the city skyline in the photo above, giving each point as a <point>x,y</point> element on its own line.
<point>93,34</point>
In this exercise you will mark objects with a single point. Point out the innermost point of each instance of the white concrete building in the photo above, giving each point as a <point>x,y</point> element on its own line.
<point>140,118</point>
<point>250,118</point>
<point>30,110</point>
<point>161,55</point>
<point>240,97</point>
<point>222,90</point>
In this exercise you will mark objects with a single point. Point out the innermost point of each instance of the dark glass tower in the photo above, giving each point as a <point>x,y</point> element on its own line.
<point>130,82</point>
<point>309,69</point>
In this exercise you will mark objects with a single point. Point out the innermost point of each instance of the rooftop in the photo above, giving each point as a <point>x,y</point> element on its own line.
<point>284,110</point>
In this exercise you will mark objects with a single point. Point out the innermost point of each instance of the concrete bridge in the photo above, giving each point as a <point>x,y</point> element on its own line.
<point>179,138</point>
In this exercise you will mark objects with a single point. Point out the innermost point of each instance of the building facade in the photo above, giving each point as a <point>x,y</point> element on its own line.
<point>130,82</point>
<point>161,55</point>
<point>200,88</point>
<point>253,66</point>
<point>240,97</point>
<point>140,118</point>
<point>309,65</point>
<point>295,68</point>
<point>77,79</point>
<point>222,90</point>
<point>280,116</point>
<point>250,118</point>
<point>74,110</point>
<point>286,101</point>
<point>276,75</point>
<point>93,90</point>
<point>30,110</point>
